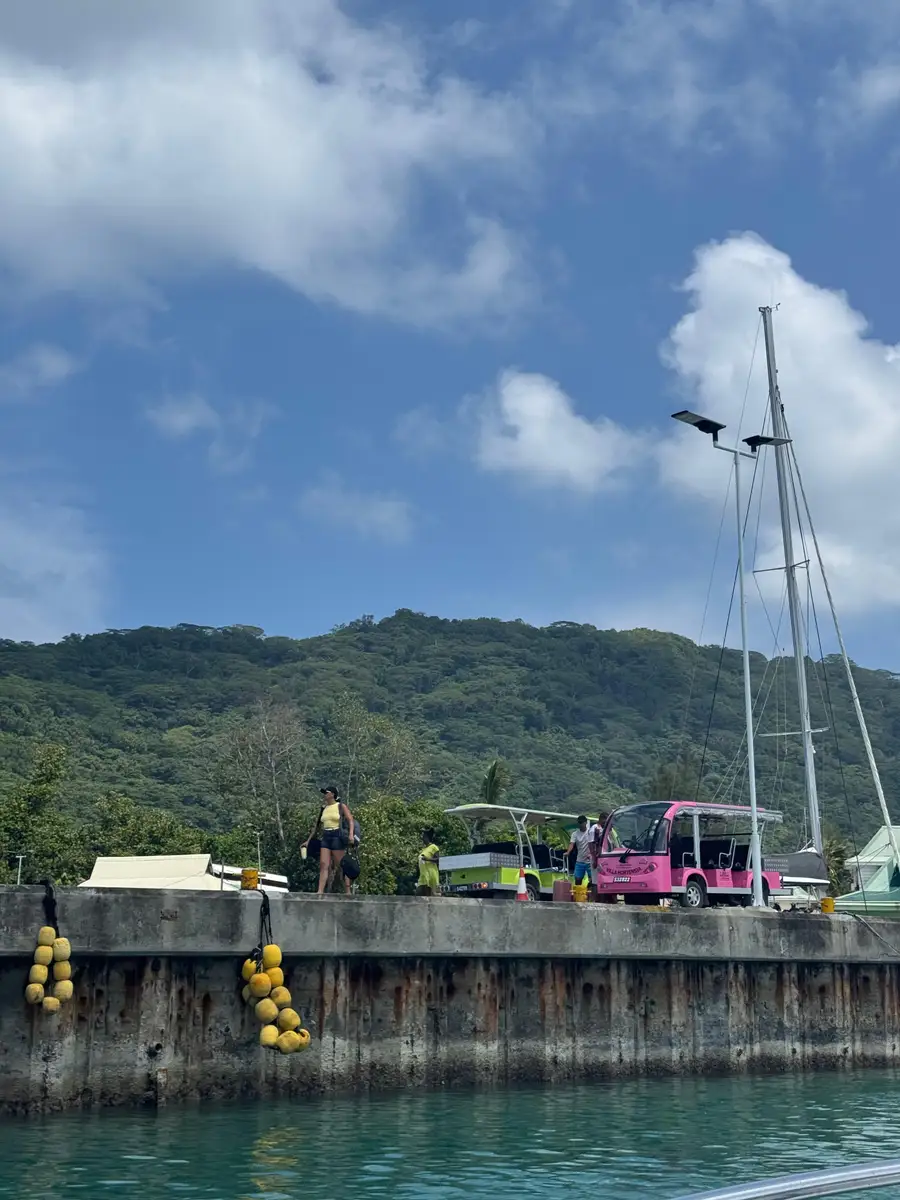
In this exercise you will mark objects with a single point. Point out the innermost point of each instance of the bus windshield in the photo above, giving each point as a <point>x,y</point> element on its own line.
<point>635,828</point>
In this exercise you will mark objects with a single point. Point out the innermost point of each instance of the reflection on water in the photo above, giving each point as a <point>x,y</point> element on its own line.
<point>632,1140</point>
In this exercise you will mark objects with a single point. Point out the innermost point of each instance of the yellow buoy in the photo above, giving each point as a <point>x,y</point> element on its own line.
<point>266,1011</point>
<point>303,1035</point>
<point>288,1042</point>
<point>62,970</point>
<point>50,1004</point>
<point>62,951</point>
<point>246,994</point>
<point>288,1019</point>
<point>43,956</point>
<point>34,993</point>
<point>276,975</point>
<point>248,970</point>
<point>271,956</point>
<point>268,1036</point>
<point>281,996</point>
<point>260,985</point>
<point>63,990</point>
<point>46,936</point>
<point>37,975</point>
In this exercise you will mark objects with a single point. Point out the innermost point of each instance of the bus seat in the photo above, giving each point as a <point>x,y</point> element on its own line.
<point>542,858</point>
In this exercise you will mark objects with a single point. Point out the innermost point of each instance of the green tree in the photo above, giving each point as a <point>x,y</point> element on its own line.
<point>836,851</point>
<point>392,838</point>
<point>121,827</point>
<point>262,765</point>
<point>675,781</point>
<point>372,754</point>
<point>32,824</point>
<point>496,782</point>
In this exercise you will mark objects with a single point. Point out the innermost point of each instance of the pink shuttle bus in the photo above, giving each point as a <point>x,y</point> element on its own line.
<point>699,853</point>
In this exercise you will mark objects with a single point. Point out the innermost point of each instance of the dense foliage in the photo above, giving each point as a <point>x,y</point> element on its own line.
<point>225,732</point>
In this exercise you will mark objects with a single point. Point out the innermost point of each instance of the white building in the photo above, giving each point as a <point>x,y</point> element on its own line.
<point>875,854</point>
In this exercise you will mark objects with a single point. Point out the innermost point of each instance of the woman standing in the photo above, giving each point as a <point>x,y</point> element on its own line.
<point>336,821</point>
<point>429,881</point>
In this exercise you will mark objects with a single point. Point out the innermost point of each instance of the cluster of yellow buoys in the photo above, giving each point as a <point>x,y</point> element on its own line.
<point>264,989</point>
<point>52,953</point>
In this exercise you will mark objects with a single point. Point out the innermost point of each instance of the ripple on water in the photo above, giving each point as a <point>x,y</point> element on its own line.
<point>623,1141</point>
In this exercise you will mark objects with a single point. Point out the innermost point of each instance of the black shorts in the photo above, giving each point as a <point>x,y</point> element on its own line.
<point>333,839</point>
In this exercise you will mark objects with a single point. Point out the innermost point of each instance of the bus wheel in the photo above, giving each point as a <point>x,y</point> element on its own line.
<point>534,888</point>
<point>694,894</point>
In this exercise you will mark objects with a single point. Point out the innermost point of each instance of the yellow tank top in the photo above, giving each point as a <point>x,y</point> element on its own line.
<point>331,816</point>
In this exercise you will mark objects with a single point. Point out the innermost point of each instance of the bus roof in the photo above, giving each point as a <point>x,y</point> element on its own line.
<point>497,812</point>
<point>764,815</point>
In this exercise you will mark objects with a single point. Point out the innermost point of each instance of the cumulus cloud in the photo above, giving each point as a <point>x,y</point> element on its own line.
<point>528,426</point>
<point>840,387</point>
<point>841,392</point>
<point>145,140</point>
<point>53,572</point>
<point>387,519</point>
<point>33,369</point>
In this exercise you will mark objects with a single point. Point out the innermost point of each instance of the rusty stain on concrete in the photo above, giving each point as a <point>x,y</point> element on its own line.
<point>136,1035</point>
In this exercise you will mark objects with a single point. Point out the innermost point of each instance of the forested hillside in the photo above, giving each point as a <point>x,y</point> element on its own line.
<point>189,721</point>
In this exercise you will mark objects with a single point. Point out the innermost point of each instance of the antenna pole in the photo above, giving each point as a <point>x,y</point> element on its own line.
<point>782,467</point>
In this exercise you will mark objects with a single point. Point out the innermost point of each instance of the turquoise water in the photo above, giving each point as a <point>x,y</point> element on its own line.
<point>654,1138</point>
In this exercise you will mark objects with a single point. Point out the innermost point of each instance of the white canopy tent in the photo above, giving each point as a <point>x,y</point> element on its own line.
<point>175,872</point>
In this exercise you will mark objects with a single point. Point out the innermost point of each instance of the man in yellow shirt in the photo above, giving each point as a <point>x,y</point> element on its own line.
<point>429,882</point>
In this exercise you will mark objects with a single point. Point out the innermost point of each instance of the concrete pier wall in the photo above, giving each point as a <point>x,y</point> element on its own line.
<point>432,993</point>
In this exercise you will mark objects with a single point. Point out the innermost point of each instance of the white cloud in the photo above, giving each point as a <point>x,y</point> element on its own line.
<point>700,75</point>
<point>375,517</point>
<point>32,370</point>
<point>53,573</point>
<point>231,433</point>
<point>858,100</point>
<point>527,426</point>
<point>181,416</point>
<point>841,392</point>
<point>145,140</point>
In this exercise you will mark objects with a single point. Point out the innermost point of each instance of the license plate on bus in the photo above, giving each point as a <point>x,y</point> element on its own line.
<point>622,879</point>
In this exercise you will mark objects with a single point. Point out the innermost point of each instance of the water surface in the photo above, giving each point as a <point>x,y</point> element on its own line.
<point>615,1141</point>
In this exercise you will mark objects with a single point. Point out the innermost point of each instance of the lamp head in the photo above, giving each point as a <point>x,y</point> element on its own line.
<point>704,424</point>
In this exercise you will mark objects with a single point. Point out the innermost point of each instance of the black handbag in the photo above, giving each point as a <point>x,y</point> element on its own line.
<point>350,867</point>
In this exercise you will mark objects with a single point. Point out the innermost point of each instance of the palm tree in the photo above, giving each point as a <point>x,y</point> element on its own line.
<point>495,783</point>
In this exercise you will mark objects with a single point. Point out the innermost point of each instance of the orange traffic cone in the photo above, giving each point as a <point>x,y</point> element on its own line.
<point>522,889</point>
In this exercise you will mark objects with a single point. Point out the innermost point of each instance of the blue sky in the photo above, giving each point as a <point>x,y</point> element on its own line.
<point>313,309</point>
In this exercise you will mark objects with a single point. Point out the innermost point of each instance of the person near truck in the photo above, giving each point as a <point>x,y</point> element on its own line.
<point>429,881</point>
<point>581,844</point>
<point>596,838</point>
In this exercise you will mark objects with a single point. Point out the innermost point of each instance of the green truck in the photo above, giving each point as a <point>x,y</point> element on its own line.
<point>491,868</point>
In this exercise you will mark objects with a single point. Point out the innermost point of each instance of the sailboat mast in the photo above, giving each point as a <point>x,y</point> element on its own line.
<point>782,467</point>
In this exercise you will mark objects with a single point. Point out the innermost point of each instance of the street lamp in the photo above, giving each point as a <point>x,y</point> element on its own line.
<point>713,429</point>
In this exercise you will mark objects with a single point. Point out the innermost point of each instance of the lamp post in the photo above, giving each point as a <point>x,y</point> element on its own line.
<point>713,429</point>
